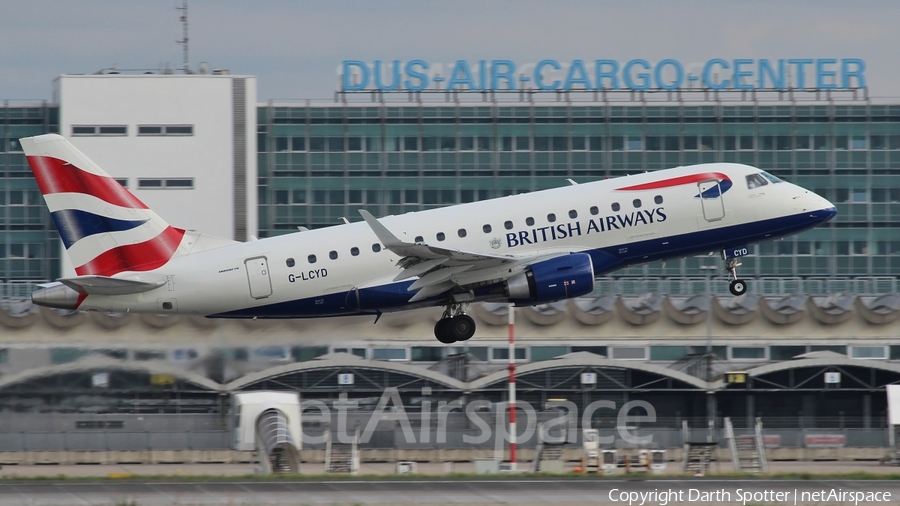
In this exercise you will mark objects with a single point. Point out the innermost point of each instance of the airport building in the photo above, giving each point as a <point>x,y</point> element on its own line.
<point>174,135</point>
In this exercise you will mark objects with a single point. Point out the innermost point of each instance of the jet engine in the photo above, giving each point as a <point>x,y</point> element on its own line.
<point>558,278</point>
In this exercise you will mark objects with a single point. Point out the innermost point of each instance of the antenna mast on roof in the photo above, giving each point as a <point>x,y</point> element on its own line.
<point>184,38</point>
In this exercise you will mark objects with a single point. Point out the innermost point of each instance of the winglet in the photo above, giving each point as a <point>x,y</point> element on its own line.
<point>384,235</point>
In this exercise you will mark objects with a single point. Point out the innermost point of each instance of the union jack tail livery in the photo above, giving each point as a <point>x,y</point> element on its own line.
<point>105,229</point>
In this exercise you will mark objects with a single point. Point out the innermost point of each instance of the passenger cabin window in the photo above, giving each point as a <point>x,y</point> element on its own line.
<point>508,225</point>
<point>573,214</point>
<point>289,262</point>
<point>551,217</point>
<point>461,232</point>
<point>312,259</point>
<point>376,247</point>
<point>487,229</point>
<point>441,236</point>
<point>595,210</point>
<point>636,203</point>
<point>616,207</point>
<point>755,181</point>
<point>354,251</point>
<point>529,221</point>
<point>332,255</point>
<point>419,238</point>
<point>658,199</point>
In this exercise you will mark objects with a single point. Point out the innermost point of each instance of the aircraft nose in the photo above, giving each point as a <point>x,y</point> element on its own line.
<point>820,209</point>
<point>827,213</point>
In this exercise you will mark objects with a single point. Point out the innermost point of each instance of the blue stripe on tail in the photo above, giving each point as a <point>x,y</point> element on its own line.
<point>75,224</point>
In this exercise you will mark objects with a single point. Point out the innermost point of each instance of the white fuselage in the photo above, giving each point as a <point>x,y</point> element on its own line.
<point>274,277</point>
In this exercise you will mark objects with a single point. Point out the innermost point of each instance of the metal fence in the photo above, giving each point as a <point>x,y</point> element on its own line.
<point>677,286</point>
<point>457,431</point>
<point>634,287</point>
<point>395,438</point>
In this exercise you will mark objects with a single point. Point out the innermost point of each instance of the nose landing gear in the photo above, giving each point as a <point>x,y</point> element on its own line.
<point>455,325</point>
<point>737,286</point>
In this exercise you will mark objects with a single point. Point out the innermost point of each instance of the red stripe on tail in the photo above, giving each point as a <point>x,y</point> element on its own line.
<point>144,256</point>
<point>57,176</point>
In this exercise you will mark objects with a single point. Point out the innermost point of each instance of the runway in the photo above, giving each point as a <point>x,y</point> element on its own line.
<point>474,492</point>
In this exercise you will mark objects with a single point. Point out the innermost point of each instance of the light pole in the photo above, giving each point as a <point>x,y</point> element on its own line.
<point>710,395</point>
<point>708,271</point>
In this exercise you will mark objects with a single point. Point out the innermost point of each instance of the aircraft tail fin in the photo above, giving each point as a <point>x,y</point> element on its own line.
<point>104,227</point>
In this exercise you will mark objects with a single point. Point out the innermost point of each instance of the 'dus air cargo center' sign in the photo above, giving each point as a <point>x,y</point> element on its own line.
<point>594,75</point>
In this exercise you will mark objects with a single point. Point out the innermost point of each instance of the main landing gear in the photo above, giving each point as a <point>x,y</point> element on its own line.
<point>455,325</point>
<point>737,286</point>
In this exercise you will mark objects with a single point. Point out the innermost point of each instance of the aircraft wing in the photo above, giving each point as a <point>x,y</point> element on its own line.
<point>440,269</point>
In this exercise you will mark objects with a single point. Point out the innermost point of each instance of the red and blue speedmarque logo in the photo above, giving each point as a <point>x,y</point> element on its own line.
<point>710,193</point>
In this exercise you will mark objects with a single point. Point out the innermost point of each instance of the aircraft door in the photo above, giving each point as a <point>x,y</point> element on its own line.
<point>711,200</point>
<point>258,276</point>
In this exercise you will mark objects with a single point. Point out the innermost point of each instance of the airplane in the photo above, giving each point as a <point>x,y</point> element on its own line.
<point>525,249</point>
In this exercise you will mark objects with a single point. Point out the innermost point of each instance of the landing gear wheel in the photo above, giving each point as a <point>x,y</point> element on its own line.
<point>442,331</point>
<point>454,324</point>
<point>738,287</point>
<point>462,327</point>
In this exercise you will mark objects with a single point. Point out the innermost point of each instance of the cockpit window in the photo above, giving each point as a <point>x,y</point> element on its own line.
<point>770,177</point>
<point>756,180</point>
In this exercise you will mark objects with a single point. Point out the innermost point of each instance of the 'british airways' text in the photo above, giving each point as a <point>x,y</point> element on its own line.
<point>576,228</point>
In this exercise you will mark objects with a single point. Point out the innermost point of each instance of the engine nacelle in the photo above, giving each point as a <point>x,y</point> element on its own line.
<point>555,279</point>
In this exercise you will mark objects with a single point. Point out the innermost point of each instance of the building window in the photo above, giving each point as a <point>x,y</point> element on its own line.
<point>389,354</point>
<point>629,353</point>
<point>503,353</point>
<point>99,130</point>
<point>867,352</point>
<point>145,184</point>
<point>668,353</point>
<point>178,183</point>
<point>756,353</point>
<point>168,130</point>
<point>539,353</point>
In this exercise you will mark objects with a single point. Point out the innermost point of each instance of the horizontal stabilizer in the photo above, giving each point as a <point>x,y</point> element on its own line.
<point>102,285</point>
